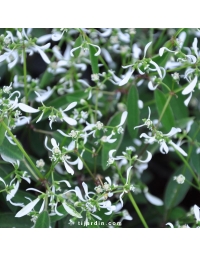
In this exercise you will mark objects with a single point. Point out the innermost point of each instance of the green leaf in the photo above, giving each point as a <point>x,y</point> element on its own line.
<point>46,79</point>
<point>114,121</point>
<point>77,43</point>
<point>93,59</point>
<point>168,118</point>
<point>42,220</point>
<point>133,111</point>
<point>195,159</point>
<point>2,131</point>
<point>176,213</point>
<point>8,220</point>
<point>175,192</point>
<point>11,151</point>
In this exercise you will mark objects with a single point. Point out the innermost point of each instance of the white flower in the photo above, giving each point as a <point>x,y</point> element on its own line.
<point>81,46</point>
<point>180,179</point>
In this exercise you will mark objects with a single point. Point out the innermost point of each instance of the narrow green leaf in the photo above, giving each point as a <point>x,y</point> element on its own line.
<point>77,43</point>
<point>114,121</point>
<point>133,111</point>
<point>195,158</point>
<point>93,59</point>
<point>2,130</point>
<point>10,150</point>
<point>43,220</point>
<point>175,192</point>
<point>46,79</point>
<point>168,117</point>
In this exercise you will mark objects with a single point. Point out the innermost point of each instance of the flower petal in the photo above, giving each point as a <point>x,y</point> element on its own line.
<point>70,106</point>
<point>196,212</point>
<point>149,157</point>
<point>24,211</point>
<point>126,77</point>
<point>68,168</point>
<point>188,89</point>
<point>178,148</point>
<point>69,120</point>
<point>173,132</point>
<point>170,224</point>
<point>27,108</point>
<point>123,118</point>
<point>74,49</point>
<point>146,48</point>
<point>99,49</point>
<point>153,199</point>
<point>157,68</point>
<point>186,102</point>
<point>71,210</point>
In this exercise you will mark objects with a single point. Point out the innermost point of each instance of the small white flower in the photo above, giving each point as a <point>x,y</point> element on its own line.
<point>40,163</point>
<point>95,77</point>
<point>180,179</point>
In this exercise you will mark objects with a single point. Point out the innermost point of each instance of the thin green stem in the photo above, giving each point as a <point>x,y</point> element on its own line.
<point>86,166</point>
<point>25,74</point>
<point>178,32</point>
<point>137,210</point>
<point>132,200</point>
<point>164,109</point>
<point>37,173</point>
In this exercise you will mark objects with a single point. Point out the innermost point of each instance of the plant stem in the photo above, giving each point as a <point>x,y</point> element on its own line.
<point>39,175</point>
<point>137,210</point>
<point>25,74</point>
<point>165,107</point>
<point>86,166</point>
<point>132,200</point>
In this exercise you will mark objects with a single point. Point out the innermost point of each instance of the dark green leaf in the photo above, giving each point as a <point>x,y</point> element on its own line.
<point>2,131</point>
<point>77,43</point>
<point>133,111</point>
<point>46,79</point>
<point>43,220</point>
<point>8,220</point>
<point>93,59</point>
<point>175,192</point>
<point>195,158</point>
<point>10,150</point>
